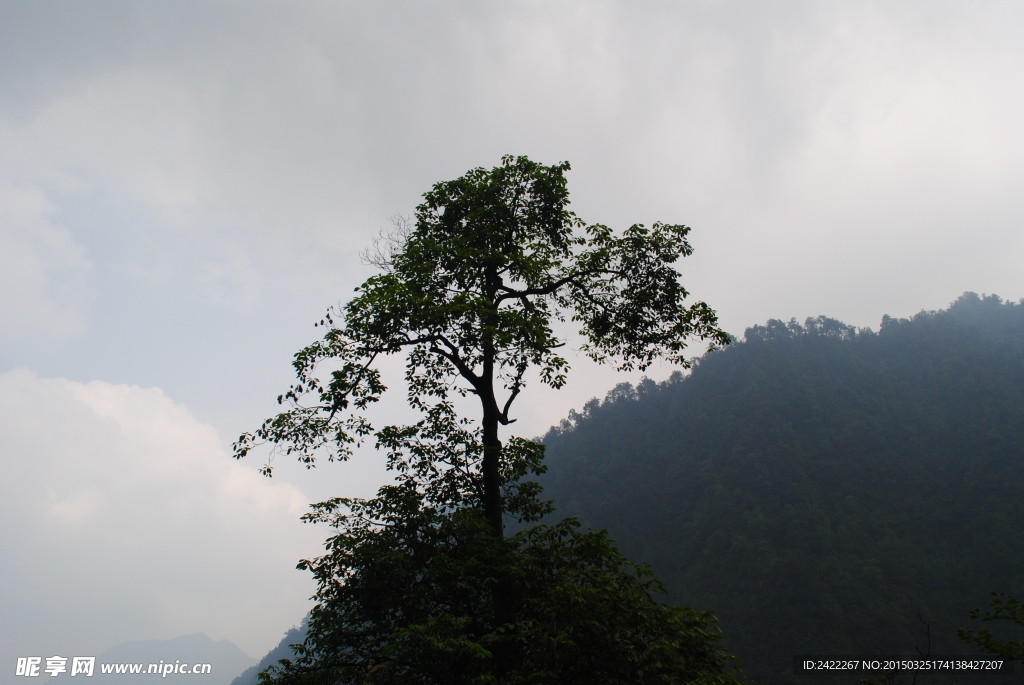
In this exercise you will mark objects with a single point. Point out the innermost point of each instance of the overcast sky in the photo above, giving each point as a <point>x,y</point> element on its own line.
<point>185,187</point>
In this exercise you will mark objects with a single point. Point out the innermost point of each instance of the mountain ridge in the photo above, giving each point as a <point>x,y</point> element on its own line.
<point>818,485</point>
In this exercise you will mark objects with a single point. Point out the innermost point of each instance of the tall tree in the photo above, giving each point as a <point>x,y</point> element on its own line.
<point>470,293</point>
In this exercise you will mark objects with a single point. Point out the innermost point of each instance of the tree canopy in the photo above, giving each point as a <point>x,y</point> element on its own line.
<point>471,293</point>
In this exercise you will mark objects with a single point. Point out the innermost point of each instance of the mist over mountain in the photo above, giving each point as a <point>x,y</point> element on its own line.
<point>225,659</point>
<point>826,490</point>
<point>283,651</point>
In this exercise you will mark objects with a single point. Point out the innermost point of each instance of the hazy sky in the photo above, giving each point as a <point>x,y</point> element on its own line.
<point>186,186</point>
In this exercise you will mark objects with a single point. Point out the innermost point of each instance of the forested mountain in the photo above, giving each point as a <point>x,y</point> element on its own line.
<point>283,651</point>
<point>820,487</point>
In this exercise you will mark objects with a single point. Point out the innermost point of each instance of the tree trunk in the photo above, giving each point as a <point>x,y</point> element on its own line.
<point>491,466</point>
<point>491,471</point>
<point>494,511</point>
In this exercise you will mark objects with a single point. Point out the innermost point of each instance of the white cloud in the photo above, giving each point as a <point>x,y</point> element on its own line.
<point>123,518</point>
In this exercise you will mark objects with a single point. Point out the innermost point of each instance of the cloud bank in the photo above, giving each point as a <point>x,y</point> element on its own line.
<point>124,519</point>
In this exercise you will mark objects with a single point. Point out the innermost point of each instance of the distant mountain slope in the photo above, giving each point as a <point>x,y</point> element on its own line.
<point>818,486</point>
<point>282,651</point>
<point>226,661</point>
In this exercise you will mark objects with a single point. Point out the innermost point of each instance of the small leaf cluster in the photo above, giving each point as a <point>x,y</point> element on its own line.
<point>326,424</point>
<point>1001,608</point>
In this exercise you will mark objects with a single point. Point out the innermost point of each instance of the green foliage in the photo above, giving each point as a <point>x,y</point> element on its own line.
<point>406,588</point>
<point>1001,608</point>
<point>819,485</point>
<point>588,616</point>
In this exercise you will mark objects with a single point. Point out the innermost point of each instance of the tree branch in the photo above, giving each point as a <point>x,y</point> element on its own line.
<point>457,361</point>
<point>512,294</point>
<point>517,386</point>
